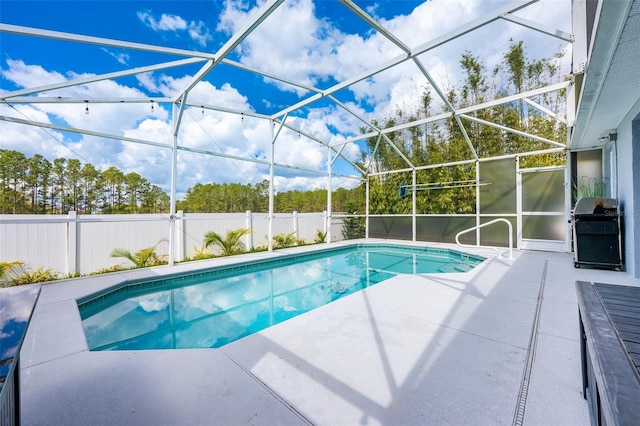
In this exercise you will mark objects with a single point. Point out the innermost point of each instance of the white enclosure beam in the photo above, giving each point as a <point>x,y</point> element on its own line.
<point>333,160</point>
<point>265,10</point>
<point>490,104</point>
<point>63,100</point>
<point>57,35</point>
<point>374,151</point>
<point>178,120</point>
<point>547,111</point>
<point>390,172</point>
<point>466,137</point>
<point>174,179</point>
<point>397,150</point>
<point>375,25</point>
<point>82,131</point>
<point>270,75</point>
<point>160,145</point>
<point>495,15</point>
<point>395,128</point>
<point>101,77</point>
<point>329,190</point>
<point>562,35</point>
<point>516,97</point>
<point>514,131</point>
<point>202,72</point>
<point>473,25</point>
<point>445,100</point>
<point>366,208</point>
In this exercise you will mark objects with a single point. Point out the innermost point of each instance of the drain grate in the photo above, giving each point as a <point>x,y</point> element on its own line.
<point>518,418</point>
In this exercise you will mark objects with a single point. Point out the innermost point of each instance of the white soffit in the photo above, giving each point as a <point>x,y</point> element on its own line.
<point>612,76</point>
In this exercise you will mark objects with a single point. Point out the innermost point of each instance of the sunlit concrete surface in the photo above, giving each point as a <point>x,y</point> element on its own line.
<point>415,349</point>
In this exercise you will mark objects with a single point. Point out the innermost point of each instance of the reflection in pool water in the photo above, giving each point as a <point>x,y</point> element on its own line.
<point>211,310</point>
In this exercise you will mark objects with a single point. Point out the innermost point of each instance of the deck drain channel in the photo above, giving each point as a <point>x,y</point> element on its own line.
<point>518,418</point>
<point>268,389</point>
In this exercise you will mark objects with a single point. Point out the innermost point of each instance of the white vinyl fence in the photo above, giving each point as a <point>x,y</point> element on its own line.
<point>69,244</point>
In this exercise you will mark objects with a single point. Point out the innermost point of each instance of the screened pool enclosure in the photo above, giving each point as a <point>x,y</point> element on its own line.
<point>445,159</point>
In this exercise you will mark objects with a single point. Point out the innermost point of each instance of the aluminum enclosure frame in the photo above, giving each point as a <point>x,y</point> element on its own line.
<point>208,62</point>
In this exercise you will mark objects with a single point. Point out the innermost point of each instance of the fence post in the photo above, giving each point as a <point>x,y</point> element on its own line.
<point>179,223</point>
<point>72,243</point>
<point>295,224</point>
<point>249,226</point>
<point>324,226</point>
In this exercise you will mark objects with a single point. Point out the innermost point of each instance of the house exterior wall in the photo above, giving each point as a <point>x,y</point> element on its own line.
<point>628,189</point>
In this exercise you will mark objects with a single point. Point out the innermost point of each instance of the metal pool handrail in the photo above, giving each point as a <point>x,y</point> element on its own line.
<point>491,222</point>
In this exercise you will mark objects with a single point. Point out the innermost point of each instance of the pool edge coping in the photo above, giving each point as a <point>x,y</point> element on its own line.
<point>59,298</point>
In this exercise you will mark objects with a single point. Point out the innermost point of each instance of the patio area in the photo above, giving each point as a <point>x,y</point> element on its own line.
<point>497,345</point>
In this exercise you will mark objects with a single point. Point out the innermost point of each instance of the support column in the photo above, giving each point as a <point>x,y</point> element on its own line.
<point>413,207</point>
<point>477,202</point>
<point>366,207</point>
<point>271,186</point>
<point>180,234</point>
<point>518,179</point>
<point>174,173</point>
<point>329,210</point>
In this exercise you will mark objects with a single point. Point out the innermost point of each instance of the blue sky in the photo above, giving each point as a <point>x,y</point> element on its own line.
<point>316,43</point>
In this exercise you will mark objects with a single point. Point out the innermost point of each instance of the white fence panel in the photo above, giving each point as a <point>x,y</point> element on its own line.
<point>36,240</point>
<point>97,236</point>
<point>260,226</point>
<point>69,243</point>
<point>193,226</point>
<point>309,224</point>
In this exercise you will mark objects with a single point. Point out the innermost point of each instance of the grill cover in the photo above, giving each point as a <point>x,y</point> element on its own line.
<point>596,205</point>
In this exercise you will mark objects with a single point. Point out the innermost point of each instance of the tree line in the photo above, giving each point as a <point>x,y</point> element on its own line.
<point>236,197</point>
<point>36,185</point>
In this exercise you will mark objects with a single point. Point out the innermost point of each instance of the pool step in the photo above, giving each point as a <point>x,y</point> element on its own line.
<point>457,267</point>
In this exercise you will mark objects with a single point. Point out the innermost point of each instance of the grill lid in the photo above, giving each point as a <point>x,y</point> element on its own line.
<point>595,205</point>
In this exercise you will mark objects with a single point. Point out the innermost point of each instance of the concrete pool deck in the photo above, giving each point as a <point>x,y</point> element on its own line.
<point>415,349</point>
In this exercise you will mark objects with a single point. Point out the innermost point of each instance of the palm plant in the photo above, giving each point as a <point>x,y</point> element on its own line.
<point>143,257</point>
<point>228,244</point>
<point>40,275</point>
<point>15,273</point>
<point>10,271</point>
<point>321,237</point>
<point>201,253</point>
<point>286,240</point>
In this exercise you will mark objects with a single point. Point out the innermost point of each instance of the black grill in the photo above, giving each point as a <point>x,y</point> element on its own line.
<point>597,233</point>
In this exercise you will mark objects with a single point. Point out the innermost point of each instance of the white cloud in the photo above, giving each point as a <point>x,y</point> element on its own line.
<point>294,43</point>
<point>122,58</point>
<point>166,22</point>
<point>30,75</point>
<point>197,31</point>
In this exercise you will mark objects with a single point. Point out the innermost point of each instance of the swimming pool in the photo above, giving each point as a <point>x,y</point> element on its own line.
<point>215,307</point>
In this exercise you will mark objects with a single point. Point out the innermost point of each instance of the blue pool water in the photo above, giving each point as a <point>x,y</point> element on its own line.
<point>212,308</point>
